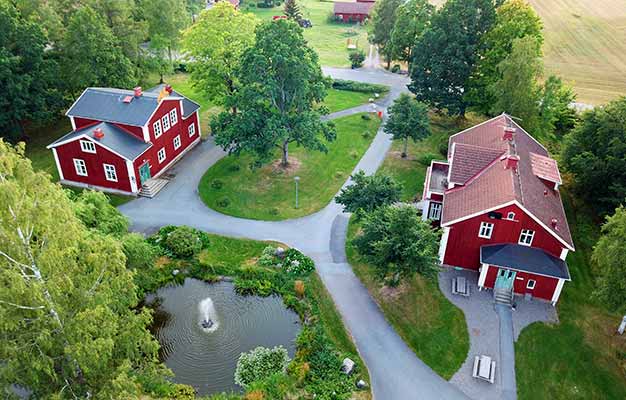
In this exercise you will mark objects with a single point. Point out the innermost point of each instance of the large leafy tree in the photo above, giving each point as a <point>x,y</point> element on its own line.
<point>368,192</point>
<point>381,25</point>
<point>408,119</point>
<point>555,111</point>
<point>92,56</point>
<point>515,19</point>
<point>281,83</point>
<point>412,20</point>
<point>166,19</point>
<point>216,61</point>
<point>67,301</point>
<point>595,153</point>
<point>448,53</point>
<point>517,92</point>
<point>609,255</point>
<point>398,243</point>
<point>27,74</point>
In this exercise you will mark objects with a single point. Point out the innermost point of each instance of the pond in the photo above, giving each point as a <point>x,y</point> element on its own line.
<point>203,328</point>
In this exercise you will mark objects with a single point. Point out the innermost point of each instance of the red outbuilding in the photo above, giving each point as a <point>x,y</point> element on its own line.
<point>497,201</point>
<point>123,139</point>
<point>357,11</point>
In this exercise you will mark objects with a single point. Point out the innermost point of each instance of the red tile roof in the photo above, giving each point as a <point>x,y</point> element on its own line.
<point>341,7</point>
<point>493,185</point>
<point>545,168</point>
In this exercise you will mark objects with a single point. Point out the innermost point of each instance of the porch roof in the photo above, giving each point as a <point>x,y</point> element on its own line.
<point>524,258</point>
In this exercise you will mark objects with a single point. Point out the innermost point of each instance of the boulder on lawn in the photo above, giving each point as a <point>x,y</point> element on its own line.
<point>347,366</point>
<point>361,384</point>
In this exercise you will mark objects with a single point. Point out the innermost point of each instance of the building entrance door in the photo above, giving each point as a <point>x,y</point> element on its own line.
<point>144,173</point>
<point>505,279</point>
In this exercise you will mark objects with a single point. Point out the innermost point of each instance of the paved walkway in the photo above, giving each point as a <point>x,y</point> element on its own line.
<point>395,371</point>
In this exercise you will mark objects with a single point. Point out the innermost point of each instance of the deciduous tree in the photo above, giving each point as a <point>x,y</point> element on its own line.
<point>281,83</point>
<point>367,193</point>
<point>408,119</point>
<point>166,19</point>
<point>557,115</point>
<point>383,19</point>
<point>412,20</point>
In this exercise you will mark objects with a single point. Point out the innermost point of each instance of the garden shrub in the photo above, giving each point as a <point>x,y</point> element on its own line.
<point>366,134</point>
<point>366,117</point>
<point>140,254</point>
<point>297,263</point>
<point>396,68</point>
<point>259,287</point>
<point>274,211</point>
<point>223,202</point>
<point>234,168</point>
<point>356,57</point>
<point>362,87</point>
<point>268,257</point>
<point>96,212</point>
<point>217,184</point>
<point>259,364</point>
<point>184,242</point>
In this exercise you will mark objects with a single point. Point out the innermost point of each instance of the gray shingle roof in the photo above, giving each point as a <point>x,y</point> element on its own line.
<point>524,258</point>
<point>115,138</point>
<point>189,106</point>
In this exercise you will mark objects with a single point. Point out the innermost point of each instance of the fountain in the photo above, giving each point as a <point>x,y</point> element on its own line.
<point>208,316</point>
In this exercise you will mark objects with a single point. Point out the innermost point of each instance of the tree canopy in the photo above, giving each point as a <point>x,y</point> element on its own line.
<point>595,153</point>
<point>448,53</point>
<point>408,119</point>
<point>281,84</point>
<point>412,20</point>
<point>367,193</point>
<point>166,19</point>
<point>382,21</point>
<point>292,11</point>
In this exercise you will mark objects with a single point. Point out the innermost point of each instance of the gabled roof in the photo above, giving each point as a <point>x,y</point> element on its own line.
<point>545,168</point>
<point>341,7</point>
<point>495,186</point>
<point>115,138</point>
<point>524,258</point>
<point>189,106</point>
<point>469,160</point>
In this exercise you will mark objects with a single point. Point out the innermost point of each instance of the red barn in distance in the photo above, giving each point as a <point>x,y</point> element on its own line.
<point>353,11</point>
<point>497,200</point>
<point>123,139</point>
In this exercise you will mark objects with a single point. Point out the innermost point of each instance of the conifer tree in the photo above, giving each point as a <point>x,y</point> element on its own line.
<point>292,11</point>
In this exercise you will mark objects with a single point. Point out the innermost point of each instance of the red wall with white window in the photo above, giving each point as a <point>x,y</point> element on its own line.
<point>95,166</point>
<point>135,130</point>
<point>544,286</point>
<point>463,248</point>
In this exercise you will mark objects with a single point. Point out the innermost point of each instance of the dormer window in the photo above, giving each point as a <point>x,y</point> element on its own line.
<point>510,216</point>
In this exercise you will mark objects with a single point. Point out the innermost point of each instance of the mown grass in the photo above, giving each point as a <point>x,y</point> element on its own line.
<point>430,324</point>
<point>330,40</point>
<point>268,192</point>
<point>337,100</point>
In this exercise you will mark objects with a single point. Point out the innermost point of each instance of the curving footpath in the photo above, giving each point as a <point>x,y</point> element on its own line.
<point>395,371</point>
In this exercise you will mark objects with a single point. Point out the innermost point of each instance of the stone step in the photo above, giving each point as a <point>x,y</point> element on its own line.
<point>503,296</point>
<point>152,187</point>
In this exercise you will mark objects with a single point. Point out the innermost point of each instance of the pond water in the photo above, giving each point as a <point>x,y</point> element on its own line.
<point>203,328</point>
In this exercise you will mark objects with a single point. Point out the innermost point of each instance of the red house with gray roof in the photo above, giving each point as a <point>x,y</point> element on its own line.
<point>123,140</point>
<point>497,201</point>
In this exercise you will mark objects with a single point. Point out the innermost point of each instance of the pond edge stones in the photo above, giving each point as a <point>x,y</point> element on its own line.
<point>347,366</point>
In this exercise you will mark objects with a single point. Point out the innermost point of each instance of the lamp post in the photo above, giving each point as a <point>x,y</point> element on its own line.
<point>297,180</point>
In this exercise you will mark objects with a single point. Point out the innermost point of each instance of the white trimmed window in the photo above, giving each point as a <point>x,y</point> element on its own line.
<point>531,284</point>
<point>511,216</point>
<point>88,146</point>
<point>526,237</point>
<point>166,122</point>
<point>176,142</point>
<point>435,211</point>
<point>161,155</point>
<point>191,129</point>
<point>485,231</point>
<point>157,129</point>
<point>173,117</point>
<point>110,173</point>
<point>80,167</point>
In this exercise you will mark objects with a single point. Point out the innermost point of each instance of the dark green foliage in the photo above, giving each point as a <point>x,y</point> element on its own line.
<point>259,364</point>
<point>183,242</point>
<point>95,211</point>
<point>361,87</point>
<point>383,19</point>
<point>296,263</point>
<point>408,119</point>
<point>595,153</point>
<point>292,11</point>
<point>448,53</point>
<point>356,57</point>
<point>217,184</point>
<point>609,255</point>
<point>412,20</point>
<point>398,243</point>
<point>139,253</point>
<point>555,112</point>
<point>367,193</point>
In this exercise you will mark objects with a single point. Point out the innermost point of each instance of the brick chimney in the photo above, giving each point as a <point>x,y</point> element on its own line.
<point>138,91</point>
<point>168,89</point>
<point>554,223</point>
<point>98,134</point>
<point>508,133</point>
<point>511,161</point>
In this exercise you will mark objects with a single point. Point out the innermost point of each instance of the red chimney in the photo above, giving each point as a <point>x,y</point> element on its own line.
<point>554,222</point>
<point>168,89</point>
<point>508,134</point>
<point>138,91</point>
<point>98,134</point>
<point>511,161</point>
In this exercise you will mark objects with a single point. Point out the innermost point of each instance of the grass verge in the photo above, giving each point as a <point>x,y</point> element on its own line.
<point>337,100</point>
<point>232,187</point>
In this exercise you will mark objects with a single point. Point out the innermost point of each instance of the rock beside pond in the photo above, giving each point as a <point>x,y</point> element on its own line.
<point>176,272</point>
<point>347,366</point>
<point>361,384</point>
<point>279,252</point>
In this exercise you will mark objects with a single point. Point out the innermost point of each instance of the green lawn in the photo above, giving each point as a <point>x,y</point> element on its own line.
<point>328,39</point>
<point>337,100</point>
<point>268,193</point>
<point>429,323</point>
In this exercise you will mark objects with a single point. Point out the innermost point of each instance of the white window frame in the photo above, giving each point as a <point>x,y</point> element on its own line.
<point>526,237</point>
<point>110,173</point>
<point>191,129</point>
<point>165,120</point>
<point>529,286</point>
<point>176,142</point>
<point>486,230</point>
<point>173,117</point>
<point>80,167</point>
<point>161,155</point>
<point>87,146</point>
<point>157,128</point>
<point>435,211</point>
<point>510,216</point>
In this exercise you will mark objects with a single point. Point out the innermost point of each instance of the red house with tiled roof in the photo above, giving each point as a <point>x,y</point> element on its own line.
<point>353,11</point>
<point>497,201</point>
<point>123,140</point>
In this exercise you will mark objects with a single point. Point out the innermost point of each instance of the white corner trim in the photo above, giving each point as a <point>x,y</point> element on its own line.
<point>443,244</point>
<point>483,275</point>
<point>198,122</point>
<point>56,161</point>
<point>73,123</point>
<point>425,208</point>
<point>557,291</point>
<point>146,133</point>
<point>131,176</point>
<point>563,255</point>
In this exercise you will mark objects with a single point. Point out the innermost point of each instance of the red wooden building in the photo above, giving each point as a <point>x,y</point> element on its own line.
<point>497,200</point>
<point>121,139</point>
<point>353,11</point>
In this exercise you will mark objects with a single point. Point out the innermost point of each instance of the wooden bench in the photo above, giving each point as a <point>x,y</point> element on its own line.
<point>460,286</point>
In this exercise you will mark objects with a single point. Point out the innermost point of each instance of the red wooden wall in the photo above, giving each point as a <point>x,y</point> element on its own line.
<point>544,286</point>
<point>463,248</point>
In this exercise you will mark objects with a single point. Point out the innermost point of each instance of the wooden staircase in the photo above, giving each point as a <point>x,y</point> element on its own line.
<point>152,187</point>
<point>503,296</point>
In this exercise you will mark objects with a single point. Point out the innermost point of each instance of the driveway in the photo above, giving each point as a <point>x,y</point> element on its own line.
<point>395,371</point>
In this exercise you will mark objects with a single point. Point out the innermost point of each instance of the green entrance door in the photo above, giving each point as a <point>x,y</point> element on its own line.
<point>505,279</point>
<point>144,173</point>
